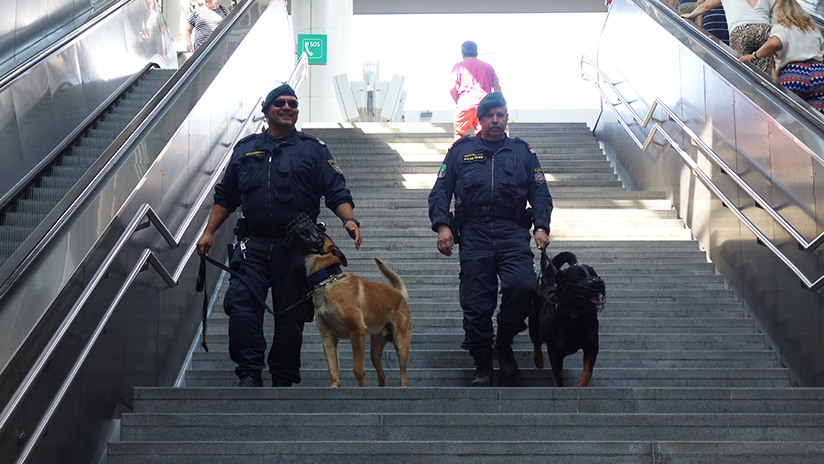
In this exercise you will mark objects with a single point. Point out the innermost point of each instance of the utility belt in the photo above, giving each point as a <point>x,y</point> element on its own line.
<point>523,217</point>
<point>244,229</point>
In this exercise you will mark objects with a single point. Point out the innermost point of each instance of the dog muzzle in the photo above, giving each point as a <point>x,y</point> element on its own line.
<point>306,235</point>
<point>589,295</point>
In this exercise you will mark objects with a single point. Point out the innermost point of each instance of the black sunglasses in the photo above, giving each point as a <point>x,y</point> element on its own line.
<point>280,102</point>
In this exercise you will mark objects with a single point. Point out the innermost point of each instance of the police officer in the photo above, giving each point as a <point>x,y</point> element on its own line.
<point>492,177</point>
<point>274,176</point>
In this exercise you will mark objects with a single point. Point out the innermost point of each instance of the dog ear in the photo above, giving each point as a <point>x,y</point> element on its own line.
<point>339,254</point>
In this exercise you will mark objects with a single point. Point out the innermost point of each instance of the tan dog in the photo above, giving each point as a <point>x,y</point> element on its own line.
<point>349,307</point>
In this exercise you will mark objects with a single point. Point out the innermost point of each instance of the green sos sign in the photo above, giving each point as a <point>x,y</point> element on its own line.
<point>314,45</point>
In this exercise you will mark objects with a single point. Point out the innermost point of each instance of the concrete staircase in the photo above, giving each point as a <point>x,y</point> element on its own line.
<point>682,376</point>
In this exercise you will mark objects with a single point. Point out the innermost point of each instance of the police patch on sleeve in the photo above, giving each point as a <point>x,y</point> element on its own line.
<point>442,171</point>
<point>530,149</point>
<point>335,166</point>
<point>320,142</point>
<point>539,176</point>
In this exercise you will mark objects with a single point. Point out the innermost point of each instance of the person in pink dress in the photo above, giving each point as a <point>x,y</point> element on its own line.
<point>470,81</point>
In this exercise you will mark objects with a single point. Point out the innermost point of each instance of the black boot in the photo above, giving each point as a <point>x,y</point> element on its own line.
<point>483,367</point>
<point>250,379</point>
<point>506,358</point>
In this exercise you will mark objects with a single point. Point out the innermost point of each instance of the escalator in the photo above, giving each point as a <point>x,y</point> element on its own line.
<point>740,157</point>
<point>42,194</point>
<point>108,168</point>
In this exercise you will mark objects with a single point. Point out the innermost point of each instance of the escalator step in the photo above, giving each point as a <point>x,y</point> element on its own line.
<point>13,234</point>
<point>57,183</point>
<point>7,248</point>
<point>34,206</point>
<point>16,218</point>
<point>83,152</point>
<point>48,194</point>
<point>69,172</point>
<point>77,160</point>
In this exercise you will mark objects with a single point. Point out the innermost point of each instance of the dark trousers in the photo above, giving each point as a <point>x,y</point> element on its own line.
<point>267,265</point>
<point>489,251</point>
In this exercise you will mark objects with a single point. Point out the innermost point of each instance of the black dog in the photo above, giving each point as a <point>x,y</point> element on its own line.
<point>565,314</point>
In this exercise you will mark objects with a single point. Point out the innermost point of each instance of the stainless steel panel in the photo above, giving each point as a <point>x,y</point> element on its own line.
<point>50,100</point>
<point>28,27</point>
<point>762,132</point>
<point>152,329</point>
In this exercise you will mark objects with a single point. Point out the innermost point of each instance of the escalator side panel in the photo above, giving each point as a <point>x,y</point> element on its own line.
<point>44,105</point>
<point>152,329</point>
<point>759,132</point>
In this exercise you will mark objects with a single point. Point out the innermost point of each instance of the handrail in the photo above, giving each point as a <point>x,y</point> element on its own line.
<point>28,252</point>
<point>705,179</point>
<point>147,256</point>
<point>299,74</point>
<point>50,50</point>
<point>20,187</point>
<point>726,54</point>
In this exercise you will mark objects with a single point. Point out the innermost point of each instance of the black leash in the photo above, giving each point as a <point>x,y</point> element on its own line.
<point>201,287</point>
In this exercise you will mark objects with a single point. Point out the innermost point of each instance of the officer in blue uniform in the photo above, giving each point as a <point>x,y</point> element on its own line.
<point>492,177</point>
<point>274,176</point>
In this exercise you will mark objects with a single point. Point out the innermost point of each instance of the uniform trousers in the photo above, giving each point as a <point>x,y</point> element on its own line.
<point>267,265</point>
<point>490,250</point>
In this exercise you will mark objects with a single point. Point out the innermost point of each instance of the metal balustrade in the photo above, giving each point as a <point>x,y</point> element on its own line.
<point>656,128</point>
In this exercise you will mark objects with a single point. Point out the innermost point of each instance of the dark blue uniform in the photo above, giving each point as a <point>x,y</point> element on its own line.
<point>274,180</point>
<point>492,246</point>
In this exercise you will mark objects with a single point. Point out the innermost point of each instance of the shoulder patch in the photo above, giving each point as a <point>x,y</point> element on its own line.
<point>473,156</point>
<point>334,165</point>
<point>531,150</point>
<point>442,171</point>
<point>539,176</point>
<point>320,142</point>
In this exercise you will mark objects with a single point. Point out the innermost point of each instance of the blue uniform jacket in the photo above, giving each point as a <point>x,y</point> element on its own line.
<point>507,178</point>
<point>275,181</point>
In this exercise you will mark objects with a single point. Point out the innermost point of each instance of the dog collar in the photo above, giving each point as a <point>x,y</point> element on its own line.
<point>319,276</point>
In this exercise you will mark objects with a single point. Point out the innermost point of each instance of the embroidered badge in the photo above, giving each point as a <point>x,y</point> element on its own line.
<point>320,142</point>
<point>530,149</point>
<point>473,157</point>
<point>539,176</point>
<point>442,171</point>
<point>335,166</point>
<point>254,153</point>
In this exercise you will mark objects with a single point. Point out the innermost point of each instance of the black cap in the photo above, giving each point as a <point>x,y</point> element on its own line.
<point>491,100</point>
<point>284,89</point>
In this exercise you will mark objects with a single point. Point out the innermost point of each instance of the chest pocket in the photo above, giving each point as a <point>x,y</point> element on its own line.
<point>474,174</point>
<point>282,176</point>
<point>512,178</point>
<point>252,172</point>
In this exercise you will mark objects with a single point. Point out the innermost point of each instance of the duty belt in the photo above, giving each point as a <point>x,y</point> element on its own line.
<point>490,212</point>
<point>266,230</point>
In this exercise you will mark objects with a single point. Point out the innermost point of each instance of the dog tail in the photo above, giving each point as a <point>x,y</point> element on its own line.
<point>392,278</point>
<point>564,257</point>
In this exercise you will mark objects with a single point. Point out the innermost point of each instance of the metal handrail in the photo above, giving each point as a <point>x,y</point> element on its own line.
<point>174,240</point>
<point>298,75</point>
<point>28,252</point>
<point>705,179</point>
<point>56,46</point>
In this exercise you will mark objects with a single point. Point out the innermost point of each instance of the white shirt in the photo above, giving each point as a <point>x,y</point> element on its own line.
<point>739,12</point>
<point>796,45</point>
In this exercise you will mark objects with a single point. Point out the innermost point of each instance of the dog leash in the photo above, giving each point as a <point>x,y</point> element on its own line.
<point>201,287</point>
